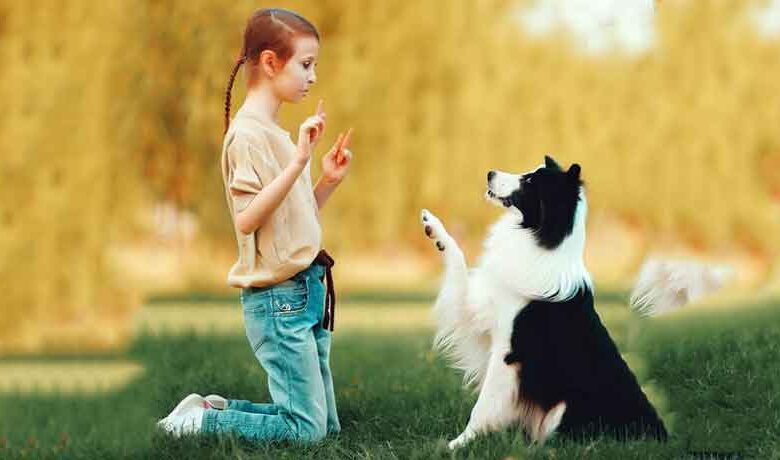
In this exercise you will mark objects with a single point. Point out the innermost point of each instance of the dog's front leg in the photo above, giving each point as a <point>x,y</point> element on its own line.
<point>454,287</point>
<point>497,405</point>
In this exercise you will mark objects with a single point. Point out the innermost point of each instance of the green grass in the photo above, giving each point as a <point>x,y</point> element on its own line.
<point>358,296</point>
<point>716,378</point>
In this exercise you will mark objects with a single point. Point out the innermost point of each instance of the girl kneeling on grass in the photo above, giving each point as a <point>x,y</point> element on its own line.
<point>281,268</point>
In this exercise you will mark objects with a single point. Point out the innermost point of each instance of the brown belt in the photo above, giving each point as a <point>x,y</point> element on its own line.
<point>329,319</point>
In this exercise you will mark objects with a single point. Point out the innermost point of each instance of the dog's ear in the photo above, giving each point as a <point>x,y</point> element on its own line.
<point>550,163</point>
<point>574,171</point>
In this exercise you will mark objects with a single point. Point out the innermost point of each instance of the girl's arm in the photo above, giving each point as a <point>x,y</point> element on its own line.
<point>323,190</point>
<point>256,214</point>
<point>265,202</point>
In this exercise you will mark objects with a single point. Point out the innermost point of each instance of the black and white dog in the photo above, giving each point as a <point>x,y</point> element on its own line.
<point>522,326</point>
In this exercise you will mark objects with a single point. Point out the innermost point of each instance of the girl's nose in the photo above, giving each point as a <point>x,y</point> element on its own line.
<point>313,78</point>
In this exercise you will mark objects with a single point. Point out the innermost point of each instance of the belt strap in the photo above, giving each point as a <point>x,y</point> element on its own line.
<point>329,319</point>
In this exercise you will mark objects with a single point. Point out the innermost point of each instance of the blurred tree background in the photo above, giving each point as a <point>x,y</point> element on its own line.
<point>111,130</point>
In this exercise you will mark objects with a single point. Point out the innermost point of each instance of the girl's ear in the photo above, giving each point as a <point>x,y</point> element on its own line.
<point>269,63</point>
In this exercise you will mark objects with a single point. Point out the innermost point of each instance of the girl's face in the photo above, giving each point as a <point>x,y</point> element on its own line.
<point>292,83</point>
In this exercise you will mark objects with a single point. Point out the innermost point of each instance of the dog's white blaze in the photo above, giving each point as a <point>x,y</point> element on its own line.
<point>503,184</point>
<point>532,271</point>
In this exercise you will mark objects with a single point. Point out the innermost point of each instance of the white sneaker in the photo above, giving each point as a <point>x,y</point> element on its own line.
<point>190,401</point>
<point>188,421</point>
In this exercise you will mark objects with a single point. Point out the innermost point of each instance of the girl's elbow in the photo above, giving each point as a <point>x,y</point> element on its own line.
<point>243,225</point>
<point>247,226</point>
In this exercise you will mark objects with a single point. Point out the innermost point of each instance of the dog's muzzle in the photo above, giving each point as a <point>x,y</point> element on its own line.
<point>503,200</point>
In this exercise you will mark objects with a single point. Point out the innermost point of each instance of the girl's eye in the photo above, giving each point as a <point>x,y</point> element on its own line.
<point>306,65</point>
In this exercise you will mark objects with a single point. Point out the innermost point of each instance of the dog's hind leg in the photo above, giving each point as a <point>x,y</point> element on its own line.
<point>549,423</point>
<point>497,406</point>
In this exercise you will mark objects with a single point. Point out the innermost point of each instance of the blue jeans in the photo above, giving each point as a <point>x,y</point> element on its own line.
<point>284,327</point>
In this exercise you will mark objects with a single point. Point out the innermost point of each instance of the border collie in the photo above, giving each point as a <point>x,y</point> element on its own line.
<point>522,326</point>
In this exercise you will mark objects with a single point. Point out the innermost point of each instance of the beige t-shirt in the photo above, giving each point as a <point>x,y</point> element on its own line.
<point>254,152</point>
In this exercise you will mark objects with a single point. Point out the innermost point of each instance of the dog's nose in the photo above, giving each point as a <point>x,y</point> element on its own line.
<point>491,175</point>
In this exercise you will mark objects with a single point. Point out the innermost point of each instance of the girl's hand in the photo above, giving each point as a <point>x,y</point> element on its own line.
<point>309,134</point>
<point>336,162</point>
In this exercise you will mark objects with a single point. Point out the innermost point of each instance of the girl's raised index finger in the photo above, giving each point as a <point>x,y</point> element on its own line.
<point>337,143</point>
<point>320,107</point>
<point>337,147</point>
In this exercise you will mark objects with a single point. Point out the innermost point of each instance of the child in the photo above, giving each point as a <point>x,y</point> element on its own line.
<point>281,268</point>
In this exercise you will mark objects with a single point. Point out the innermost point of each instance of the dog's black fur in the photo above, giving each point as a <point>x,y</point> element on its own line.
<point>548,200</point>
<point>566,354</point>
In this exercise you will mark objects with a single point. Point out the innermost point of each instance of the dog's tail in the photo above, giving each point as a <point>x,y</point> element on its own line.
<point>667,285</point>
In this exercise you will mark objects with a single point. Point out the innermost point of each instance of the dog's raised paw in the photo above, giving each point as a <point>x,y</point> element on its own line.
<point>425,215</point>
<point>427,220</point>
<point>433,229</point>
<point>430,222</point>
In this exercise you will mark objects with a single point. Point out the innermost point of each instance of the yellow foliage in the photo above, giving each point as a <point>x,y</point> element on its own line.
<point>64,194</point>
<point>109,107</point>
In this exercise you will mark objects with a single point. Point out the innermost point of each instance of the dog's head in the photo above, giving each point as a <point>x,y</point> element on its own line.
<point>545,199</point>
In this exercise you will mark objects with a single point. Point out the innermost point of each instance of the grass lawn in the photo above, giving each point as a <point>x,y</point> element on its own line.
<point>714,377</point>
